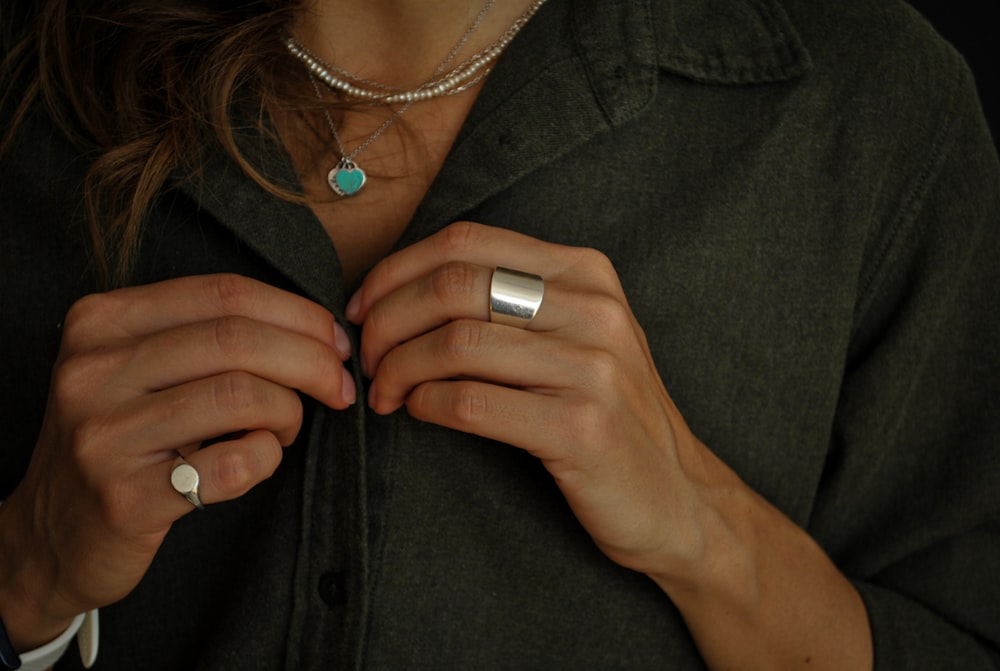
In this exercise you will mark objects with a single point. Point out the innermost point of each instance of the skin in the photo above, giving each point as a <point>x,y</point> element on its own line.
<point>587,401</point>
<point>147,373</point>
<point>144,374</point>
<point>399,42</point>
<point>396,43</point>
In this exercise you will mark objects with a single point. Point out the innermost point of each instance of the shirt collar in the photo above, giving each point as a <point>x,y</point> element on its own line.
<point>620,42</point>
<point>729,41</point>
<point>579,68</point>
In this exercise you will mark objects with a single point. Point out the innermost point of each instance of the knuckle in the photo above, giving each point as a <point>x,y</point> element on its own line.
<point>460,236</point>
<point>469,403</point>
<point>391,369</point>
<point>599,268</point>
<point>236,338</point>
<point>326,371</point>
<point>267,457</point>
<point>597,262</point>
<point>606,313</point>
<point>88,314</point>
<point>71,377</point>
<point>243,464</point>
<point>603,368</point>
<point>233,293</point>
<point>378,321</point>
<point>453,280</point>
<point>235,471</point>
<point>462,339</point>
<point>296,415</point>
<point>78,376</point>
<point>235,393</point>
<point>385,270</point>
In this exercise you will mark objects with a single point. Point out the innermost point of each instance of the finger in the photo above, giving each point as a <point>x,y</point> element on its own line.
<point>480,350</point>
<point>452,291</point>
<point>521,418</point>
<point>464,241</point>
<point>142,310</point>
<point>144,502</point>
<point>208,348</point>
<point>226,470</point>
<point>189,414</point>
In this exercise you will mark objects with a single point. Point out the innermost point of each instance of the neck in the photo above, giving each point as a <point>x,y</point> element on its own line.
<point>398,42</point>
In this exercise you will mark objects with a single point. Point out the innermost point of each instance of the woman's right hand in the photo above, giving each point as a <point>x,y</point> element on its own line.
<point>144,374</point>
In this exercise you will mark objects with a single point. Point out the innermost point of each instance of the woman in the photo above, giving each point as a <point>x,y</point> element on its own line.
<point>745,420</point>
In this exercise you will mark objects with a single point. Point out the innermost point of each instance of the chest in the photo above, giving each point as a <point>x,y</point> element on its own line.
<point>400,156</point>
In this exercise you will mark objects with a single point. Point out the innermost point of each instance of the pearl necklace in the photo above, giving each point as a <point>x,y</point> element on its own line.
<point>347,178</point>
<point>460,78</point>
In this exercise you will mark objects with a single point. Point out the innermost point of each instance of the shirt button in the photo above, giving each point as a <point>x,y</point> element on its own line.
<point>332,589</point>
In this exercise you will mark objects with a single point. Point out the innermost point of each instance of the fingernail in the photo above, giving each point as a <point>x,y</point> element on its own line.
<point>354,306</point>
<point>347,388</point>
<point>341,340</point>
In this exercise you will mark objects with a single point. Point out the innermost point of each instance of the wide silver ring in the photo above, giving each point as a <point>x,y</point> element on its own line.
<point>515,296</point>
<point>184,479</point>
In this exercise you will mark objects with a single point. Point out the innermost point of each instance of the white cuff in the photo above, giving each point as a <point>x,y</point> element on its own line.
<point>86,629</point>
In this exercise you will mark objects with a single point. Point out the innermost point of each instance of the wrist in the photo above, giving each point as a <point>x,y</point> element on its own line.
<point>720,566</point>
<point>709,538</point>
<point>26,632</point>
<point>713,553</point>
<point>761,593</point>
<point>26,595</point>
<point>84,627</point>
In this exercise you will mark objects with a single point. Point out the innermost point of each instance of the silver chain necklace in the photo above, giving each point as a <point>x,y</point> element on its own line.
<point>460,78</point>
<point>347,178</point>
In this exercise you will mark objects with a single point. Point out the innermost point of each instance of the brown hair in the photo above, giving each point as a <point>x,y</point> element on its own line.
<point>135,84</point>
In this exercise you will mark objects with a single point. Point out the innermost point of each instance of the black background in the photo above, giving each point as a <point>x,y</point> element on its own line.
<point>974,30</point>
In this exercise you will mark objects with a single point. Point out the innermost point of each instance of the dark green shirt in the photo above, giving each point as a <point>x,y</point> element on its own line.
<point>802,201</point>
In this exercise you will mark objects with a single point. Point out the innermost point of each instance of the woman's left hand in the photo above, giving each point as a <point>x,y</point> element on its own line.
<point>577,387</point>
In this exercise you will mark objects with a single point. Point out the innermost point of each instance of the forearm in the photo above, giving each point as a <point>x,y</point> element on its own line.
<point>758,592</point>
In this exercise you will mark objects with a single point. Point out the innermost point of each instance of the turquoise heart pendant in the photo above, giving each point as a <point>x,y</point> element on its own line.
<point>346,179</point>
